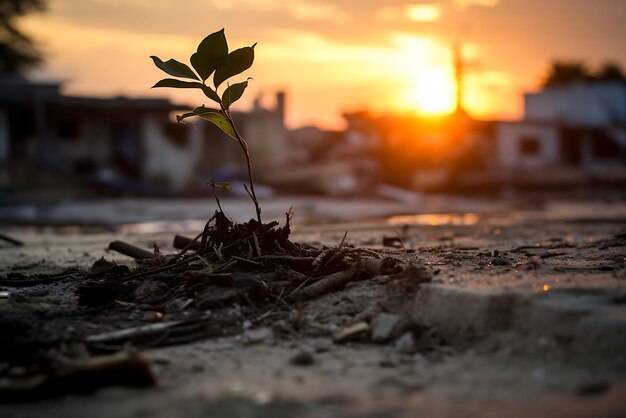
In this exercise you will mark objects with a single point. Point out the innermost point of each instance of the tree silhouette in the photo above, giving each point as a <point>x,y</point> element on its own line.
<point>611,72</point>
<point>563,73</point>
<point>17,49</point>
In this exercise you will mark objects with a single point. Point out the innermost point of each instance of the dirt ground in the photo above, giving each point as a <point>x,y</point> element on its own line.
<point>513,367</point>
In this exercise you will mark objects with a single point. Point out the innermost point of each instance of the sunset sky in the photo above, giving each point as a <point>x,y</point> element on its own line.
<point>332,57</point>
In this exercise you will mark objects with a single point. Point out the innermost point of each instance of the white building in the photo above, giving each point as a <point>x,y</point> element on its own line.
<point>580,126</point>
<point>128,144</point>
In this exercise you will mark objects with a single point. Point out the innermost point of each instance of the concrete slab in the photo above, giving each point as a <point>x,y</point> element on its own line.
<point>591,319</point>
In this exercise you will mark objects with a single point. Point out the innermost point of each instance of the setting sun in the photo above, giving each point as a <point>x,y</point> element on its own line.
<point>434,92</point>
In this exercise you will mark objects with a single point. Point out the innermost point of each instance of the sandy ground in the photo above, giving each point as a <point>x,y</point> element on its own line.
<point>570,256</point>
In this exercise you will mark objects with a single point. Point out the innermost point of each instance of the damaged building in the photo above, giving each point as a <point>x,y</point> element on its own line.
<point>56,144</point>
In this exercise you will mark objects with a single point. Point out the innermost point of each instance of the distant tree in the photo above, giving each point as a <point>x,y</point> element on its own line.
<point>611,72</point>
<point>17,50</point>
<point>563,73</point>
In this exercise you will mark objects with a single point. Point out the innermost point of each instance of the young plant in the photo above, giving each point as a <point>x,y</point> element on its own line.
<point>212,60</point>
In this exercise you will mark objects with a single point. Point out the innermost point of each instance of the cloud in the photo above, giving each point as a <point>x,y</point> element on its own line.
<point>414,12</point>
<point>306,10</point>
<point>467,3</point>
<point>298,9</point>
<point>423,12</point>
<point>259,5</point>
<point>388,14</point>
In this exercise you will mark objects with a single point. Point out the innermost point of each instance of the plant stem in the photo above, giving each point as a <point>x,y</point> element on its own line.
<point>217,199</point>
<point>244,146</point>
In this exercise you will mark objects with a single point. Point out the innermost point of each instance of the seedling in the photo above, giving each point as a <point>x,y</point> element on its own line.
<point>213,61</point>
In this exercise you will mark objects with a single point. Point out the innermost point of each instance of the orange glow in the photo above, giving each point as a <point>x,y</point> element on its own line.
<point>423,12</point>
<point>331,57</point>
<point>546,287</point>
<point>434,219</point>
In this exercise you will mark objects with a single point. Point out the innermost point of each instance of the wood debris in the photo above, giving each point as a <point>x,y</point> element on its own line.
<point>226,276</point>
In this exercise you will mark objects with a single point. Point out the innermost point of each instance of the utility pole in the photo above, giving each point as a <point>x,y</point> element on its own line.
<point>459,72</point>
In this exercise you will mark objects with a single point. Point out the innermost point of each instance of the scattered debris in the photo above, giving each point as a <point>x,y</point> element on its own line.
<point>130,250</point>
<point>244,279</point>
<point>11,240</point>
<point>358,331</point>
<point>135,333</point>
<point>328,283</point>
<point>392,241</point>
<point>119,369</point>
<point>256,336</point>
<point>499,261</point>
<point>22,280</point>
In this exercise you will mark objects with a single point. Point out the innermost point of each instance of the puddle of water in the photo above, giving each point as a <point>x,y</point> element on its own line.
<point>152,227</point>
<point>435,219</point>
<point>197,225</point>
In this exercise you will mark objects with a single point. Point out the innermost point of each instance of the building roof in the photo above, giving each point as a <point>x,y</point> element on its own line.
<point>120,102</point>
<point>15,89</point>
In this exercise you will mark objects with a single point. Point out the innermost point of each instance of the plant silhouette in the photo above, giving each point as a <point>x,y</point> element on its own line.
<point>212,60</point>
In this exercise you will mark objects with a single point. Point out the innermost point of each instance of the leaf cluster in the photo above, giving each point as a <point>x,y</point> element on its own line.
<point>212,63</point>
<point>18,51</point>
<point>211,66</point>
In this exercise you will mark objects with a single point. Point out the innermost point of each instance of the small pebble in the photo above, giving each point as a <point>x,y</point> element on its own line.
<point>385,327</point>
<point>499,261</point>
<point>406,344</point>
<point>302,358</point>
<point>593,388</point>
<point>386,363</point>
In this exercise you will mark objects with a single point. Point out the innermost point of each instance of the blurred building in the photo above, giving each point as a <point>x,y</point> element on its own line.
<point>59,145</point>
<point>570,135</point>
<point>415,152</point>
<point>113,143</point>
<point>323,162</point>
<point>571,138</point>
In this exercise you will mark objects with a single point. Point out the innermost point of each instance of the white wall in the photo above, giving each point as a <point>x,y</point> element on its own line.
<point>590,104</point>
<point>267,140</point>
<point>164,159</point>
<point>509,137</point>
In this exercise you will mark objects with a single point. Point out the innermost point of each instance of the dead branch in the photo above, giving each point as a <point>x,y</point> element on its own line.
<point>130,250</point>
<point>185,243</point>
<point>11,240</point>
<point>328,283</point>
<point>287,260</point>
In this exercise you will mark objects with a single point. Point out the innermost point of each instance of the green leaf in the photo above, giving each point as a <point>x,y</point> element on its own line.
<point>180,118</point>
<point>203,109</point>
<point>224,185</point>
<point>220,121</point>
<point>212,115</point>
<point>211,94</point>
<point>210,52</point>
<point>178,84</point>
<point>198,111</point>
<point>234,63</point>
<point>175,68</point>
<point>233,93</point>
